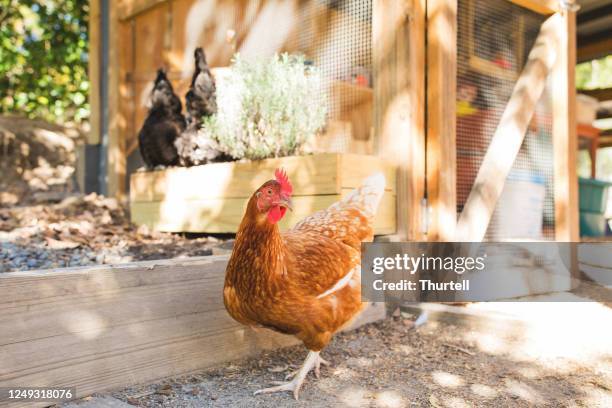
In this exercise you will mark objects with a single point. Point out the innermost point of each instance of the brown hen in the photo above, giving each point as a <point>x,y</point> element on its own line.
<point>304,282</point>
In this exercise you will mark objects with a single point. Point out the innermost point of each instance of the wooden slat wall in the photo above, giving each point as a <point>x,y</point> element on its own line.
<point>108,327</point>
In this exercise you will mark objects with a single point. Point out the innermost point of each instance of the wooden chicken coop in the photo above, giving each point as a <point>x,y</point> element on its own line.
<point>468,102</point>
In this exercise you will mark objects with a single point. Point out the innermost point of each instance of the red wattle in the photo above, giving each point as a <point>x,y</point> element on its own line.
<point>275,214</point>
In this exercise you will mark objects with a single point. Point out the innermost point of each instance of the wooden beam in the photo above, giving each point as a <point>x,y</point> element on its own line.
<point>565,141</point>
<point>441,118</point>
<point>112,326</point>
<point>539,6</point>
<point>587,52</point>
<point>601,94</point>
<point>398,52</point>
<point>510,133</point>
<point>94,63</point>
<point>131,8</point>
<point>116,158</point>
<point>594,14</point>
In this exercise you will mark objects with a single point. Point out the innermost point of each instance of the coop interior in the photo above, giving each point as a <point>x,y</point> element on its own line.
<point>335,37</point>
<point>493,41</point>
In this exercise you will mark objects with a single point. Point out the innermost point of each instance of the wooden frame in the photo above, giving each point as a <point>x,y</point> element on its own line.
<point>107,327</point>
<point>131,8</point>
<point>546,7</point>
<point>442,118</point>
<point>398,30</point>
<point>116,158</point>
<point>565,140</point>
<point>212,198</point>
<point>94,68</point>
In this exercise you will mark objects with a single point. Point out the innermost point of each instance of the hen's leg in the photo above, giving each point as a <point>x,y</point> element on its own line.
<point>295,384</point>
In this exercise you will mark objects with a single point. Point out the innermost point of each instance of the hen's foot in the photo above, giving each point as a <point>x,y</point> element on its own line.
<point>312,360</point>
<point>317,368</point>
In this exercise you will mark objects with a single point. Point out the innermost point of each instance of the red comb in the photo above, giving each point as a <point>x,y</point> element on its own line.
<point>283,180</point>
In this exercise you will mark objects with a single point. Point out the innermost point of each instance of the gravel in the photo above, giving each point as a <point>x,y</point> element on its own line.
<point>88,230</point>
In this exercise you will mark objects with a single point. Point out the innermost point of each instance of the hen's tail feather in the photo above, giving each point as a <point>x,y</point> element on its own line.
<point>367,197</point>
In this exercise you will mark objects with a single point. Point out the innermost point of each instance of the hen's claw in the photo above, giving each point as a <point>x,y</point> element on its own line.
<point>289,386</point>
<point>312,361</point>
<point>317,368</point>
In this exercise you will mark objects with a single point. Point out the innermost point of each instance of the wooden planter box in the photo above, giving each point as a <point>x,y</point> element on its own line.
<point>212,198</point>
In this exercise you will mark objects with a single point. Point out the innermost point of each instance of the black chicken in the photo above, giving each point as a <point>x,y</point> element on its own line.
<point>194,146</point>
<point>164,123</point>
<point>201,99</point>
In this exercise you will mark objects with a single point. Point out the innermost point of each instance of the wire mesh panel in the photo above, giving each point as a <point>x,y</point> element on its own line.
<point>336,37</point>
<point>493,40</point>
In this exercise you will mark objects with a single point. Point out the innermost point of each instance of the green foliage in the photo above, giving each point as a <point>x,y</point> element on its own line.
<point>594,74</point>
<point>43,59</point>
<point>267,108</point>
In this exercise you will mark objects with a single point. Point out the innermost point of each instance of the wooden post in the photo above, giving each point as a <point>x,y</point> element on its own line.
<point>510,133</point>
<point>399,111</point>
<point>116,183</point>
<point>93,137</point>
<point>565,141</point>
<point>441,118</point>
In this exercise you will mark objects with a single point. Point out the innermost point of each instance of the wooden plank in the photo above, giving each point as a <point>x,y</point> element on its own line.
<point>224,215</point>
<point>601,94</point>
<point>116,159</point>
<point>325,173</point>
<point>509,135</point>
<point>131,8</point>
<point>150,31</point>
<point>398,48</point>
<point>127,108</point>
<point>94,64</point>
<point>441,118</point>
<point>107,327</point>
<point>590,51</point>
<point>355,168</point>
<point>565,141</point>
<point>539,6</point>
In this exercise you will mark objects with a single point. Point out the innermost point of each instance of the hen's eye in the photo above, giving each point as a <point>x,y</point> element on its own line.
<point>269,191</point>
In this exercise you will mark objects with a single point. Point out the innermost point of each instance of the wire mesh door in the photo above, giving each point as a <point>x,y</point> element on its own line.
<point>493,40</point>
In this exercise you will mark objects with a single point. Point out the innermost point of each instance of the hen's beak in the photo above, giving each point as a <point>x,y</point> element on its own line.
<point>286,202</point>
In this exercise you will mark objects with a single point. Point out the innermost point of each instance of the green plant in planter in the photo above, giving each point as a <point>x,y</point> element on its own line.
<point>267,107</point>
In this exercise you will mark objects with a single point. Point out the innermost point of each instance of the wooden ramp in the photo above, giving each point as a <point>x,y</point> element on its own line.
<point>107,327</point>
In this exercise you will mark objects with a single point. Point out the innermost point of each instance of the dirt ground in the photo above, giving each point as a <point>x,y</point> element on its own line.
<point>391,364</point>
<point>87,230</point>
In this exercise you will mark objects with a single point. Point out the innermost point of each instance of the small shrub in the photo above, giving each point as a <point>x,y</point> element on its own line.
<point>267,108</point>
